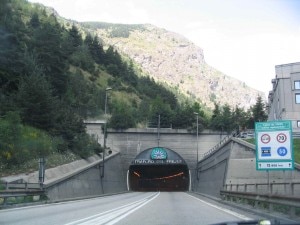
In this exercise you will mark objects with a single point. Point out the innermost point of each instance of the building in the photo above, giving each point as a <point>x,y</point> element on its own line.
<point>284,99</point>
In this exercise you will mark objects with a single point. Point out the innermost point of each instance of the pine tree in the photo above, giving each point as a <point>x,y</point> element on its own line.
<point>259,110</point>
<point>38,106</point>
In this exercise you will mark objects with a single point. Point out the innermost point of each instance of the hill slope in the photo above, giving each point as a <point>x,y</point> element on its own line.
<point>172,59</point>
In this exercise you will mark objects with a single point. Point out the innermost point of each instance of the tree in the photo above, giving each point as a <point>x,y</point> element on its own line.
<point>95,48</point>
<point>36,102</point>
<point>122,116</point>
<point>159,108</point>
<point>34,21</point>
<point>74,37</point>
<point>258,112</point>
<point>47,44</point>
<point>228,123</point>
<point>216,120</point>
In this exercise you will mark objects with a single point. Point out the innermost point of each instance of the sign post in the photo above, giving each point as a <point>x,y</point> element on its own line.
<point>274,147</point>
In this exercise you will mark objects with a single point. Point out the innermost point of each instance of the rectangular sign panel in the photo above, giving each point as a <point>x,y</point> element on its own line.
<point>274,147</point>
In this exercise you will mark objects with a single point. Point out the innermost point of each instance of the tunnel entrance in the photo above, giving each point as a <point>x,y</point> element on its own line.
<point>158,169</point>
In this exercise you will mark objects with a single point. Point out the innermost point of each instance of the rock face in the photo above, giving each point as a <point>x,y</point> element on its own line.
<point>172,59</point>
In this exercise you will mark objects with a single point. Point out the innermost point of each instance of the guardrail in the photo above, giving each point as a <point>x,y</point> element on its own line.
<point>283,188</point>
<point>216,147</point>
<point>292,203</point>
<point>22,186</point>
<point>14,193</point>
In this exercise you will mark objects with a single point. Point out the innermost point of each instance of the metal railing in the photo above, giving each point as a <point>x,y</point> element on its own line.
<point>283,188</point>
<point>21,186</point>
<point>286,194</point>
<point>13,193</point>
<point>291,203</point>
<point>216,147</point>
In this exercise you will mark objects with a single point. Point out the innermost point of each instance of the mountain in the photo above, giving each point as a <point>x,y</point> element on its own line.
<point>173,60</point>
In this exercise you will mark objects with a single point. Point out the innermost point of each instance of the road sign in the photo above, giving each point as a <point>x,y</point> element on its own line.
<point>274,148</point>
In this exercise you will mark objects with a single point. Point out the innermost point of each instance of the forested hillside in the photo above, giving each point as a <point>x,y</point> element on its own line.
<point>54,75</point>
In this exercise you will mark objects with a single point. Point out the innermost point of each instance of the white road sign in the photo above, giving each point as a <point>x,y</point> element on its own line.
<point>274,149</point>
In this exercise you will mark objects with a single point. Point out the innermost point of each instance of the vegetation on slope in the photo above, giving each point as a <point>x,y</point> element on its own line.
<point>53,77</point>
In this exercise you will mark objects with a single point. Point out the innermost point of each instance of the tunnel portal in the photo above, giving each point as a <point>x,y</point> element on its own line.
<point>158,169</point>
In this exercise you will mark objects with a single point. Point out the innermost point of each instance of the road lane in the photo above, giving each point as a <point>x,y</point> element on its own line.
<point>181,208</point>
<point>66,212</point>
<point>130,208</point>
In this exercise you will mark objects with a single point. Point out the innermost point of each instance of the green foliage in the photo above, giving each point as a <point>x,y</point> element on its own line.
<point>162,110</point>
<point>226,119</point>
<point>296,143</point>
<point>82,58</point>
<point>122,116</point>
<point>95,48</point>
<point>116,30</point>
<point>258,112</point>
<point>20,143</point>
<point>50,99</point>
<point>84,145</point>
<point>83,97</point>
<point>35,101</point>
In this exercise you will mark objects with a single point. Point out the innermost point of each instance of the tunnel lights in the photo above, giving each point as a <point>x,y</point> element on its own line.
<point>137,174</point>
<point>168,177</point>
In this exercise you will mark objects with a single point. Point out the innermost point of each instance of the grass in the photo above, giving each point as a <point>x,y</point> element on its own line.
<point>296,147</point>
<point>52,160</point>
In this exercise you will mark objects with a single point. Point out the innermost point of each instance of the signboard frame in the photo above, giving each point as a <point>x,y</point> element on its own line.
<point>274,145</point>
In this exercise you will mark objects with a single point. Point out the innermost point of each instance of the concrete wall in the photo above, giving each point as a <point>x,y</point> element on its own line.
<point>234,163</point>
<point>212,172</point>
<point>88,181</point>
<point>131,142</point>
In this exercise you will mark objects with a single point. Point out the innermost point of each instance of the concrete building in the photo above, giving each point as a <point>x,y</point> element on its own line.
<point>284,99</point>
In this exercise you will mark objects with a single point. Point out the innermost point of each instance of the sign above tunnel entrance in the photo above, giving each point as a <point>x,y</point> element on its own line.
<point>158,153</point>
<point>274,149</point>
<point>158,156</point>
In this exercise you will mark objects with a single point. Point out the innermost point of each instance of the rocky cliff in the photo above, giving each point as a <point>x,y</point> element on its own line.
<point>172,59</point>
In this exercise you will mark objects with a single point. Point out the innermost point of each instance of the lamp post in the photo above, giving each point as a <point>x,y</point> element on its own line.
<point>104,132</point>
<point>197,116</point>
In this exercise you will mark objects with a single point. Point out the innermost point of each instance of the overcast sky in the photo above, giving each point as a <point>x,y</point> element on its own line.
<point>244,39</point>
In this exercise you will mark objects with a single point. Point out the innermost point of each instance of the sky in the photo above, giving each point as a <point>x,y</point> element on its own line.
<point>244,39</point>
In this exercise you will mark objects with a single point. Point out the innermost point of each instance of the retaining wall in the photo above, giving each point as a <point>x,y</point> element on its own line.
<point>88,181</point>
<point>234,164</point>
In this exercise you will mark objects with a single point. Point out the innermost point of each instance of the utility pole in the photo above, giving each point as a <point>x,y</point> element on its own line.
<point>197,116</point>
<point>104,132</point>
<point>158,131</point>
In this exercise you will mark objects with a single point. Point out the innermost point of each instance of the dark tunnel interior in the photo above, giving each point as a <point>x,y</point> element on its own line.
<point>159,178</point>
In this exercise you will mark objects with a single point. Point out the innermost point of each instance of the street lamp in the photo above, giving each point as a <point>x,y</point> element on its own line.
<point>197,143</point>
<point>104,132</point>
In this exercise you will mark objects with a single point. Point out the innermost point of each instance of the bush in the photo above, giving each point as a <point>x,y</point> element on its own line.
<point>19,143</point>
<point>85,146</point>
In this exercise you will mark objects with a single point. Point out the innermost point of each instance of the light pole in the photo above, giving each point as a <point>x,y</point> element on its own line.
<point>197,144</point>
<point>104,131</point>
<point>158,130</point>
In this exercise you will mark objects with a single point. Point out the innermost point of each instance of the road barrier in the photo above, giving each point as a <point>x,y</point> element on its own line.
<point>289,204</point>
<point>283,188</point>
<point>14,193</point>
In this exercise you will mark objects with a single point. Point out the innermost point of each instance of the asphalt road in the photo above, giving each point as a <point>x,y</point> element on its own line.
<point>140,208</point>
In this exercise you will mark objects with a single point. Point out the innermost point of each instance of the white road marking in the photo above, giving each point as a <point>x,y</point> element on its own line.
<point>112,216</point>
<point>240,216</point>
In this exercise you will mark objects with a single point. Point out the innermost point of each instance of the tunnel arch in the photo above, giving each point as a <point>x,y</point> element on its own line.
<point>158,169</point>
